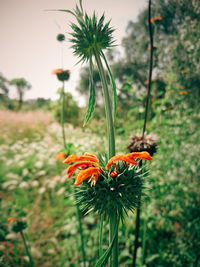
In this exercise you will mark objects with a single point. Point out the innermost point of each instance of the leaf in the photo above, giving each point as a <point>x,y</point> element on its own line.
<point>91,103</point>
<point>104,258</point>
<point>113,85</point>
<point>66,10</point>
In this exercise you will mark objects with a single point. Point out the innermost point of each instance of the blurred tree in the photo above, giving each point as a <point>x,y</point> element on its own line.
<point>4,90</point>
<point>3,85</point>
<point>22,86</point>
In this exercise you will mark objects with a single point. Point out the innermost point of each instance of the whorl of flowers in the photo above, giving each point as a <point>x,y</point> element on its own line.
<point>147,143</point>
<point>116,186</point>
<point>62,75</point>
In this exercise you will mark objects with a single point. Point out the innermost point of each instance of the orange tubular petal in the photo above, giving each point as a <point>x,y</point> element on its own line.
<point>74,158</point>
<point>133,162</point>
<point>139,155</point>
<point>90,155</point>
<point>57,71</point>
<point>85,174</point>
<point>83,164</point>
<point>115,158</point>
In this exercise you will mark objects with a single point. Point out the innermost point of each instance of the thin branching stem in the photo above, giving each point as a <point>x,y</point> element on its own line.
<point>62,113</point>
<point>137,226</point>
<point>150,69</point>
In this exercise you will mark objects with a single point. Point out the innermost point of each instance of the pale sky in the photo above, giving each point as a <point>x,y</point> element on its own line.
<point>28,42</point>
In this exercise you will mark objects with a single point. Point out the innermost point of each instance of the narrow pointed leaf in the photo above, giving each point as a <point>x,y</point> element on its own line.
<point>66,10</point>
<point>91,104</point>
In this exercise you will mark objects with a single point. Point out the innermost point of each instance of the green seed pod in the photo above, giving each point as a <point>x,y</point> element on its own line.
<point>60,37</point>
<point>19,226</point>
<point>63,76</point>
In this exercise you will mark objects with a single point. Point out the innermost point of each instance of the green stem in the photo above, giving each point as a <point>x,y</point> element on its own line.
<point>62,113</point>
<point>137,233</point>
<point>150,69</point>
<point>144,240</point>
<point>108,108</point>
<point>81,234</point>
<point>111,153</point>
<point>113,231</point>
<point>31,264</point>
<point>101,236</point>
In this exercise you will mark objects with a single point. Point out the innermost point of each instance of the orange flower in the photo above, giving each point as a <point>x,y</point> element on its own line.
<point>129,158</point>
<point>140,155</point>
<point>152,80</point>
<point>89,165</point>
<point>153,19</point>
<point>74,158</point>
<point>60,156</point>
<point>11,219</point>
<point>113,174</point>
<point>184,71</point>
<point>91,172</point>
<point>82,164</point>
<point>57,71</point>
<point>183,93</point>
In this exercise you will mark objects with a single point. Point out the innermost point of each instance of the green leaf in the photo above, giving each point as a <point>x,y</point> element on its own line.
<point>104,258</point>
<point>91,103</point>
<point>113,85</point>
<point>66,10</point>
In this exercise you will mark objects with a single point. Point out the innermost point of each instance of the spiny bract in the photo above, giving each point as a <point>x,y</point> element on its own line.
<point>90,35</point>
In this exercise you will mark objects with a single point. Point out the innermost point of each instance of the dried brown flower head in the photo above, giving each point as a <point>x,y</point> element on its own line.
<point>148,143</point>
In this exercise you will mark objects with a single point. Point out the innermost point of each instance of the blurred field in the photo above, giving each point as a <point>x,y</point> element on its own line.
<point>22,124</point>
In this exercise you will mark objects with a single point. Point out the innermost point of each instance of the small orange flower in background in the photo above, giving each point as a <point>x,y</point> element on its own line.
<point>57,71</point>
<point>60,156</point>
<point>62,75</point>
<point>11,219</point>
<point>149,47</point>
<point>153,80</point>
<point>156,18</point>
<point>184,71</point>
<point>183,93</point>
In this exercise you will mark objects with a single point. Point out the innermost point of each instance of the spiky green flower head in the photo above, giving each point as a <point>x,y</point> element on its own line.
<point>90,35</point>
<point>117,191</point>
